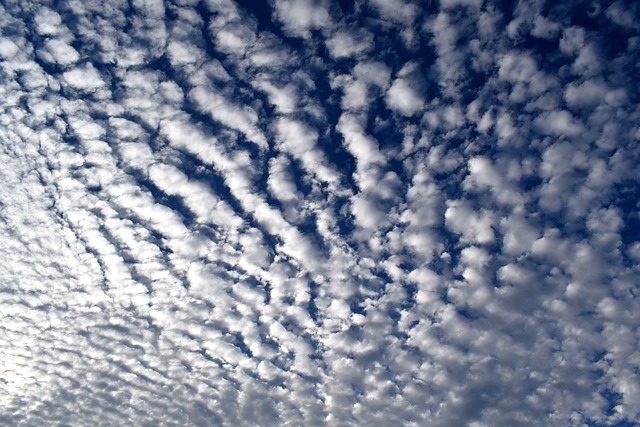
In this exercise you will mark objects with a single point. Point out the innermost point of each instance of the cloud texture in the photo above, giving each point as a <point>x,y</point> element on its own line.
<point>319,213</point>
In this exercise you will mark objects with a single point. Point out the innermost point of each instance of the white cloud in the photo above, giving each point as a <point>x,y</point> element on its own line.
<point>277,247</point>
<point>301,16</point>
<point>403,97</point>
<point>484,175</point>
<point>150,8</point>
<point>367,213</point>
<point>363,148</point>
<point>559,123</point>
<point>85,78</point>
<point>373,73</point>
<point>182,53</point>
<point>345,44</point>
<point>8,48</point>
<point>573,38</point>
<point>299,140</point>
<point>587,94</point>
<point>48,22</point>
<point>296,137</point>
<point>241,118</point>
<point>450,58</point>
<point>544,28</point>
<point>475,227</point>
<point>281,182</point>
<point>522,71</point>
<point>622,15</point>
<point>231,33</point>
<point>400,11</point>
<point>284,98</point>
<point>588,62</point>
<point>450,4</point>
<point>519,234</point>
<point>59,52</point>
<point>355,96</point>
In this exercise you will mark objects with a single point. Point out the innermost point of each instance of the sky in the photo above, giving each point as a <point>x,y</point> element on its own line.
<point>319,213</point>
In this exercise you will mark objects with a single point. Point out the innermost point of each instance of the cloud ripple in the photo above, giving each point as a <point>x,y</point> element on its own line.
<point>319,213</point>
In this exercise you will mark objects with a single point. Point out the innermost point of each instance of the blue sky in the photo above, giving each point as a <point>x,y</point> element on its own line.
<point>306,212</point>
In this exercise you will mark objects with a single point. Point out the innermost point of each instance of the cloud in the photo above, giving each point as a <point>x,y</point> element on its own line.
<point>300,141</point>
<point>345,44</point>
<point>182,53</point>
<point>241,118</point>
<point>85,78</point>
<point>621,14</point>
<point>48,22</point>
<point>544,28</point>
<point>301,16</point>
<point>313,213</point>
<point>373,73</point>
<point>522,71</point>
<point>399,12</point>
<point>363,148</point>
<point>59,52</point>
<point>403,98</point>
<point>474,227</point>
<point>8,48</point>
<point>484,175</point>
<point>587,94</point>
<point>559,123</point>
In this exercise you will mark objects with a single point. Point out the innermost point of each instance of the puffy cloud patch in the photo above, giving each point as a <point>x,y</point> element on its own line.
<point>59,52</point>
<point>474,227</point>
<point>84,78</point>
<point>404,98</point>
<point>299,17</point>
<point>8,48</point>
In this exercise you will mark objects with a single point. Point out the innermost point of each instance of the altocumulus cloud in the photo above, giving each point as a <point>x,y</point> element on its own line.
<point>302,212</point>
